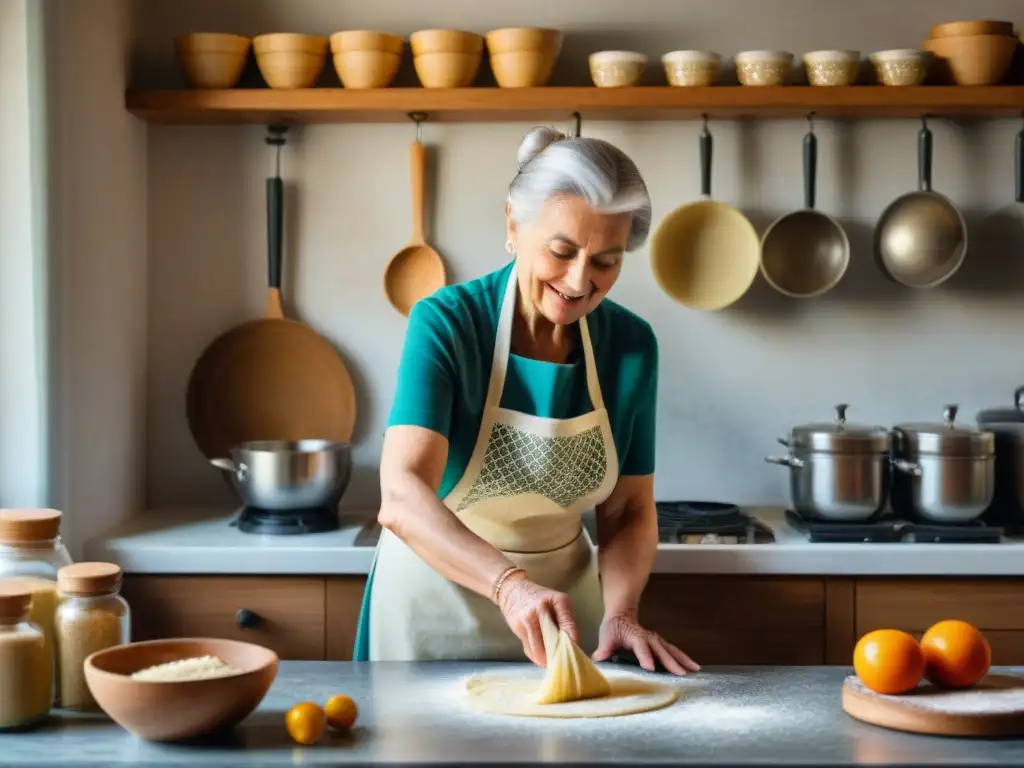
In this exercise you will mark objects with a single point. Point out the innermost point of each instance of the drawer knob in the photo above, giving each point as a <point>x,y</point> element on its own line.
<point>246,619</point>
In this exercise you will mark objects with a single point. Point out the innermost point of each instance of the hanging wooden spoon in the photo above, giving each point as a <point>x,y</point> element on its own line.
<point>417,270</point>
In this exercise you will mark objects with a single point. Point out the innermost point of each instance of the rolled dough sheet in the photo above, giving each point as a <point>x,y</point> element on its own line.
<point>512,694</point>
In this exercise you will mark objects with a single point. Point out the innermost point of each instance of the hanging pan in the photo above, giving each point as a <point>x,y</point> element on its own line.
<point>705,255</point>
<point>270,378</point>
<point>921,238</point>
<point>805,253</point>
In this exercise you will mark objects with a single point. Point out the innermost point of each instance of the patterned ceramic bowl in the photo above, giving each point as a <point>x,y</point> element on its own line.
<point>832,68</point>
<point>691,68</point>
<point>906,66</point>
<point>616,69</point>
<point>764,67</point>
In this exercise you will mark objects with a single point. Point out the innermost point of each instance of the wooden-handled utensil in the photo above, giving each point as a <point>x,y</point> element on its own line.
<point>271,378</point>
<point>417,270</point>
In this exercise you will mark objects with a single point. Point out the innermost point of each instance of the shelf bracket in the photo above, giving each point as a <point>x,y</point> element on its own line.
<point>418,118</point>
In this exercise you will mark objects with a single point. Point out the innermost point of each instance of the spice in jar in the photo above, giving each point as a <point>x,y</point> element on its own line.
<point>26,668</point>
<point>92,616</point>
<point>43,610</point>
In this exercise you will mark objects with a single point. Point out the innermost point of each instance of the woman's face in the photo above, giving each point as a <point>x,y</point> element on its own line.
<point>569,257</point>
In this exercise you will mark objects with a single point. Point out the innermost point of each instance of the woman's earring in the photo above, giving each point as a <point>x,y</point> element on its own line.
<point>509,246</point>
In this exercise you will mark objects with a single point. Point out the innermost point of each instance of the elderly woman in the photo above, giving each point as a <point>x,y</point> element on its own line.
<point>525,398</point>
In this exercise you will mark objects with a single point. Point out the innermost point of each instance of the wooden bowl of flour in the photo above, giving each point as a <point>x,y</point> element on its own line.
<point>168,690</point>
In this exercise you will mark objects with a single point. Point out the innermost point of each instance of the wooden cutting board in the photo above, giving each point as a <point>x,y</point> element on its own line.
<point>994,707</point>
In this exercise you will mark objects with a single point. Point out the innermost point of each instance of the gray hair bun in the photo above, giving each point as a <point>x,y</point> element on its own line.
<point>535,142</point>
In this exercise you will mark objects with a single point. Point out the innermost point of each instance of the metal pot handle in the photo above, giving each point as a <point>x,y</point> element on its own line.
<point>241,470</point>
<point>786,461</point>
<point>782,441</point>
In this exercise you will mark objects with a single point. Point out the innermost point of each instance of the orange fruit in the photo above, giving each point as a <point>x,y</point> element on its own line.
<point>888,661</point>
<point>305,722</point>
<point>341,712</point>
<point>956,654</point>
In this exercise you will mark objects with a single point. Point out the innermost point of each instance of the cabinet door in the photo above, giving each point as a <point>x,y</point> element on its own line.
<point>344,601</point>
<point>738,619</point>
<point>282,613</point>
<point>995,606</point>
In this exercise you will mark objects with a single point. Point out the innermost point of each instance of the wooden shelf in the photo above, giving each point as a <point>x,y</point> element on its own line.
<point>386,105</point>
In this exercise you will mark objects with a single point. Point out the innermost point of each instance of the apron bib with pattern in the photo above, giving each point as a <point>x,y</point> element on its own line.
<point>524,491</point>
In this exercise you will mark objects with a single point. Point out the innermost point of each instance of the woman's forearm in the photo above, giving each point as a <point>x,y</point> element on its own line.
<point>412,511</point>
<point>627,544</point>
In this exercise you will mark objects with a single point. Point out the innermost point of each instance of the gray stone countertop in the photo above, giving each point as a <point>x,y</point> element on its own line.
<point>414,714</point>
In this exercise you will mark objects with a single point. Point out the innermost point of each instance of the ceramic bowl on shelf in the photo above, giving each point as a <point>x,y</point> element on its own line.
<point>289,59</point>
<point>523,57</point>
<point>973,27</point>
<point>764,67</point>
<point>212,59</point>
<point>691,68</point>
<point>366,59</point>
<point>616,69</point>
<point>179,709</point>
<point>974,59</point>
<point>446,58</point>
<point>832,68</point>
<point>900,67</point>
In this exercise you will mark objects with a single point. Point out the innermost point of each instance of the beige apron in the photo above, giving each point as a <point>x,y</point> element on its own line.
<point>524,491</point>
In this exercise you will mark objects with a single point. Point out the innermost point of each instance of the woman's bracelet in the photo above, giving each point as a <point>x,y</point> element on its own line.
<point>498,582</point>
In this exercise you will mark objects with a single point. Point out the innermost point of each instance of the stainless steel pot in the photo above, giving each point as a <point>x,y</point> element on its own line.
<point>1007,424</point>
<point>289,475</point>
<point>837,471</point>
<point>944,473</point>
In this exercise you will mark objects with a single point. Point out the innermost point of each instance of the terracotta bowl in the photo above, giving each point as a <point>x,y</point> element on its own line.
<point>158,711</point>
<point>974,59</point>
<point>212,59</point>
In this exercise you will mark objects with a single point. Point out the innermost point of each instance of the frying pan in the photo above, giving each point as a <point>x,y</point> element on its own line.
<point>270,378</point>
<point>805,253</point>
<point>705,255</point>
<point>921,238</point>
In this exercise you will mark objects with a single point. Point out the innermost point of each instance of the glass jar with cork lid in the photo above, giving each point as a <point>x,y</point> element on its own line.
<point>92,616</point>
<point>32,551</point>
<point>26,665</point>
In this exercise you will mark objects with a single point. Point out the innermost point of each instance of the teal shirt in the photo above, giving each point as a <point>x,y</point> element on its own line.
<point>446,364</point>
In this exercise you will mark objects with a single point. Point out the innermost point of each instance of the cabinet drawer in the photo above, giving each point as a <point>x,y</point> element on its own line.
<point>287,613</point>
<point>916,604</point>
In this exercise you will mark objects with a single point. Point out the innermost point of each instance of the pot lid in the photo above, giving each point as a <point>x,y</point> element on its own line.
<point>840,436</point>
<point>1005,415</point>
<point>946,438</point>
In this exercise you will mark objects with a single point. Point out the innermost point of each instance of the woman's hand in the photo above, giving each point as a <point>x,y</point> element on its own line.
<point>624,631</point>
<point>522,601</point>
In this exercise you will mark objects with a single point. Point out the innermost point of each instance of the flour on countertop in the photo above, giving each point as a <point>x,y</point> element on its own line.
<point>977,701</point>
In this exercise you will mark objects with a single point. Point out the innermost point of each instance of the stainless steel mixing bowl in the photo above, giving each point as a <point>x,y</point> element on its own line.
<point>289,475</point>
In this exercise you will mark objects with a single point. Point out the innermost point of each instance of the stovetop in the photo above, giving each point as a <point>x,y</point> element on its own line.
<point>275,522</point>
<point>708,522</point>
<point>888,528</point>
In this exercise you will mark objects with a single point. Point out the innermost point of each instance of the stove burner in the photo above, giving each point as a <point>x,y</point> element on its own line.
<point>708,522</point>
<point>893,530</point>
<point>276,522</point>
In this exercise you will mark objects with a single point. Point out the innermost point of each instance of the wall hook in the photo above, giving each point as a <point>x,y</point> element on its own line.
<point>275,138</point>
<point>705,117</point>
<point>418,118</point>
<point>579,124</point>
<point>810,122</point>
<point>924,122</point>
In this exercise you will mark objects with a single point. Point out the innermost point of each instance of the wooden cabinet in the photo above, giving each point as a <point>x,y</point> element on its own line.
<point>995,606</point>
<point>716,619</point>
<point>737,619</point>
<point>283,613</point>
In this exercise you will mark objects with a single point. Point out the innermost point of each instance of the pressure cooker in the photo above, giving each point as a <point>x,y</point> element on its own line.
<point>838,471</point>
<point>942,472</point>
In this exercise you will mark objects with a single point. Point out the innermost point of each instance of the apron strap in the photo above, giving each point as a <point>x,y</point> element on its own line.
<point>503,347</point>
